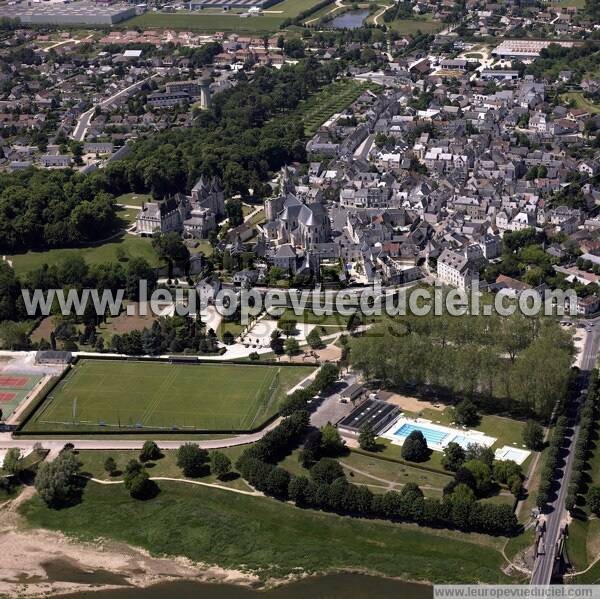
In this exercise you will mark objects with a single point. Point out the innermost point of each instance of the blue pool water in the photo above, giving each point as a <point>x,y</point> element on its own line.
<point>464,442</point>
<point>431,435</point>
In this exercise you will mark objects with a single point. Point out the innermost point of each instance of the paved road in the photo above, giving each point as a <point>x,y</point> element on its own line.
<point>542,570</point>
<point>83,123</point>
<point>7,441</point>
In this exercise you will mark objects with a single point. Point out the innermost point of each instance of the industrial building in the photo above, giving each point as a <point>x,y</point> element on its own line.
<point>527,49</point>
<point>74,13</point>
<point>228,4</point>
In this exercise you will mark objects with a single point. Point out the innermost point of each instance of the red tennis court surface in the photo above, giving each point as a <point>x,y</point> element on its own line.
<point>6,396</point>
<point>14,382</point>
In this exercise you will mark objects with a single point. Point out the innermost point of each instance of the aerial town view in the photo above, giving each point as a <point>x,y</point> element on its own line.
<point>300,298</point>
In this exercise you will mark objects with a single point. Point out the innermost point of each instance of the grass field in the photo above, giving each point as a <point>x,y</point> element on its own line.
<point>106,395</point>
<point>267,22</point>
<point>270,537</point>
<point>581,102</point>
<point>133,199</point>
<point>207,22</point>
<point>408,26</point>
<point>94,254</point>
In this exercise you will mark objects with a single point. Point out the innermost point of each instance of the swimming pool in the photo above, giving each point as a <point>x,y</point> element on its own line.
<point>432,436</point>
<point>463,441</point>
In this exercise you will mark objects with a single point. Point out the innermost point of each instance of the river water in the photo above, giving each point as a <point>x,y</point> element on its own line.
<point>332,586</point>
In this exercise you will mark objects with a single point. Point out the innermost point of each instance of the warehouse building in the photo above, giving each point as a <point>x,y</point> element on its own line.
<point>75,13</point>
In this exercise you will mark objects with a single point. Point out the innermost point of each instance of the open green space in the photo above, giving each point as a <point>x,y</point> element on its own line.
<point>583,540</point>
<point>268,21</point>
<point>581,102</point>
<point>409,26</point>
<point>133,199</point>
<point>92,464</point>
<point>270,537</point>
<point>121,395</point>
<point>133,247</point>
<point>209,22</point>
<point>366,469</point>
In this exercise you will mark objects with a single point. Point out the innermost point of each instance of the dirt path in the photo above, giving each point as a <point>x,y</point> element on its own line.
<point>254,493</point>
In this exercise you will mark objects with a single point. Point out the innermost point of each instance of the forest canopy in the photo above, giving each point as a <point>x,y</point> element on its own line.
<point>522,359</point>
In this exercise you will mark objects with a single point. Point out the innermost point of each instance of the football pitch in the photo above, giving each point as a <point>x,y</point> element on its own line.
<point>120,395</point>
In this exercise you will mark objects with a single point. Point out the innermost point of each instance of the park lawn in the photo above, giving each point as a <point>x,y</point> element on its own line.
<point>133,199</point>
<point>516,545</point>
<point>235,328</point>
<point>582,102</point>
<point>208,22</point>
<point>398,474</point>
<point>127,216</point>
<point>583,542</point>
<point>269,537</point>
<point>93,465</point>
<point>409,26</point>
<point>104,395</point>
<point>134,247</point>
<point>204,247</point>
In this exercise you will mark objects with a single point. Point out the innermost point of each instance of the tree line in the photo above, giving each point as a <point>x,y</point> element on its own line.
<point>525,360</point>
<point>326,488</point>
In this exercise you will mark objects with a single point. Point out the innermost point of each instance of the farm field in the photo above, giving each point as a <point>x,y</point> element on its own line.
<point>133,247</point>
<point>117,395</point>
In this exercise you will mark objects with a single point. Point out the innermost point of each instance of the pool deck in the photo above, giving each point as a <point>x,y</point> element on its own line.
<point>439,436</point>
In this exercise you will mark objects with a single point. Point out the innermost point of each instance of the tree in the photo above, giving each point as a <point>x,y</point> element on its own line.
<point>366,438</point>
<point>415,447</point>
<point>292,347</point>
<point>332,444</point>
<point>110,466</point>
<point>220,464</point>
<point>314,339</point>
<point>192,459</point>
<point>593,499</point>
<point>140,486</point>
<point>12,461</point>
<point>465,413</point>
<point>150,452</point>
<point>228,338</point>
<point>454,457</point>
<point>58,482</point>
<point>482,474</point>
<point>287,326</point>
<point>533,435</point>
<point>277,342</point>
<point>170,247</point>
<point>326,470</point>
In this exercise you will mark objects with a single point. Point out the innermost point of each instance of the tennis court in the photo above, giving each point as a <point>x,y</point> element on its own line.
<point>115,395</point>
<point>14,388</point>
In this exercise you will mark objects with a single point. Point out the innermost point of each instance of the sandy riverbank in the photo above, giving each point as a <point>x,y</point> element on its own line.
<point>36,562</point>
